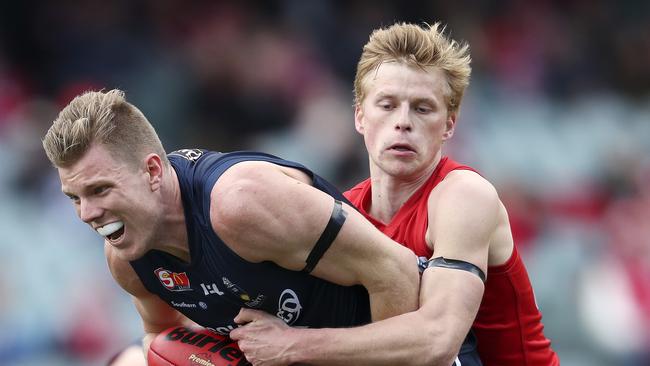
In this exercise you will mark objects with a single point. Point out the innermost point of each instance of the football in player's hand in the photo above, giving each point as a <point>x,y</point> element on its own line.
<point>194,346</point>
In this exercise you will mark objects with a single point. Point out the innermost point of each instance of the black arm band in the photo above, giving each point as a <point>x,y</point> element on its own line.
<point>456,264</point>
<point>327,237</point>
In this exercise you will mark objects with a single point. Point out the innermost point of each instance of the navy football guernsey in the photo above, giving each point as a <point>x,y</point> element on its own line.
<point>217,283</point>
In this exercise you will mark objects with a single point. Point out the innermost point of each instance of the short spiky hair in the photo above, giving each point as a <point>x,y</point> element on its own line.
<point>105,118</point>
<point>421,46</point>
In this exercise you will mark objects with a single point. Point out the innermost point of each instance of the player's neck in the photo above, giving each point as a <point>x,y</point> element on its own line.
<point>389,192</point>
<point>175,240</point>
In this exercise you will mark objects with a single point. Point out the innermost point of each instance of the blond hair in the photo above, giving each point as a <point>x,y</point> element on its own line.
<point>419,46</point>
<point>105,118</point>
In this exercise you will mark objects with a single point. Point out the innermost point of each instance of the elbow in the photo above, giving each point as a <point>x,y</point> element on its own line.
<point>442,349</point>
<point>403,284</point>
<point>404,262</point>
<point>401,264</point>
<point>408,268</point>
<point>408,259</point>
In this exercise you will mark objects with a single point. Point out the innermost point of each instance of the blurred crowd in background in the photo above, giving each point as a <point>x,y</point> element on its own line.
<point>557,116</point>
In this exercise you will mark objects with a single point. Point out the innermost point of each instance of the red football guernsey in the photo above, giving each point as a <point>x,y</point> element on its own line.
<point>508,325</point>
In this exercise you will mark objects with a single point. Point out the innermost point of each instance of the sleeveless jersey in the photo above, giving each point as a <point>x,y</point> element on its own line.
<point>508,324</point>
<point>218,283</point>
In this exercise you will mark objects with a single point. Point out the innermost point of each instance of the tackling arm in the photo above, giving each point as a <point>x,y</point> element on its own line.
<point>269,213</point>
<point>462,220</point>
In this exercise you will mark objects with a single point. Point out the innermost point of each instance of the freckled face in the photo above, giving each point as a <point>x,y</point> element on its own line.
<point>404,119</point>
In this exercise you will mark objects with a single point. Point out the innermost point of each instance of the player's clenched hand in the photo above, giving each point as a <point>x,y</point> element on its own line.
<point>263,338</point>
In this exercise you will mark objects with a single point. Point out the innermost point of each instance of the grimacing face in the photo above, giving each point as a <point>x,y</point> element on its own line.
<point>116,199</point>
<point>404,120</point>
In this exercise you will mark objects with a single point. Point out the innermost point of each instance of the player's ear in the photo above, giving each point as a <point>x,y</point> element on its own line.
<point>358,118</point>
<point>450,126</point>
<point>154,167</point>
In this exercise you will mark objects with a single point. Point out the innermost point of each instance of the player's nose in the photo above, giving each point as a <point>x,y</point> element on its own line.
<point>403,119</point>
<point>89,211</point>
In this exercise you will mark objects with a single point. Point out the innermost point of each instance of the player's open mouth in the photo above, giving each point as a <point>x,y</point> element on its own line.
<point>112,231</point>
<point>402,148</point>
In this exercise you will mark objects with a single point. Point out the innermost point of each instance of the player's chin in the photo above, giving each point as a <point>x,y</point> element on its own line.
<point>127,252</point>
<point>399,168</point>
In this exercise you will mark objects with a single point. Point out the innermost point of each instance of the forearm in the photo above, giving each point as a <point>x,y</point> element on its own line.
<point>153,331</point>
<point>402,340</point>
<point>432,335</point>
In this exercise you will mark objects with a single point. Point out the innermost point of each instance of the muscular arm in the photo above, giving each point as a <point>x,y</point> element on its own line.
<point>462,219</point>
<point>156,314</point>
<point>268,213</point>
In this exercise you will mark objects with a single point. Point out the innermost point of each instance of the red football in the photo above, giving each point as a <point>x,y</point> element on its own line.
<point>183,346</point>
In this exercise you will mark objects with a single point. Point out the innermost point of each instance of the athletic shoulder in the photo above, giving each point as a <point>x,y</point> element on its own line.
<point>464,204</point>
<point>467,185</point>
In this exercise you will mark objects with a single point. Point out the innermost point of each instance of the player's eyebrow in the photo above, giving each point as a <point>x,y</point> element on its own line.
<point>389,95</point>
<point>68,194</point>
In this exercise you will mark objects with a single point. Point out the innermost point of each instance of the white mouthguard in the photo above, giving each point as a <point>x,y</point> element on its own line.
<point>109,229</point>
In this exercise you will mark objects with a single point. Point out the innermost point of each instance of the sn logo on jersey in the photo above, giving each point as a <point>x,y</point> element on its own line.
<point>173,281</point>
